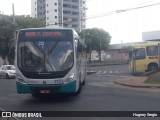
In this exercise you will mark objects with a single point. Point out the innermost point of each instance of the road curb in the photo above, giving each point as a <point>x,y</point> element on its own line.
<point>137,86</point>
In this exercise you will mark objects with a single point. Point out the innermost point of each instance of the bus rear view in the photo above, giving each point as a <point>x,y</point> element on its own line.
<point>46,62</point>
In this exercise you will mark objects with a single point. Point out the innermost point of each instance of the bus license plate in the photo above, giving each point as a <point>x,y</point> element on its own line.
<point>45,91</point>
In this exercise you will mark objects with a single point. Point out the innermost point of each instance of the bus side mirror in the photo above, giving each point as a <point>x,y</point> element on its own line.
<point>79,48</point>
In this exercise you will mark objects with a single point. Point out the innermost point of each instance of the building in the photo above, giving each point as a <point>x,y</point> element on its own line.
<point>151,36</point>
<point>60,13</point>
<point>115,52</point>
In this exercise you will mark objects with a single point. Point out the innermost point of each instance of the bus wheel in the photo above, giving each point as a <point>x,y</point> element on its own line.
<point>79,89</point>
<point>84,82</point>
<point>152,66</point>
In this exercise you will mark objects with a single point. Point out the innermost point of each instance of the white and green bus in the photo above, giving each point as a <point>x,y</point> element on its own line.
<point>49,61</point>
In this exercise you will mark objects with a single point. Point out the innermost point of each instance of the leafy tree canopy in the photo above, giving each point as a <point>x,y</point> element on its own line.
<point>7,47</point>
<point>96,39</point>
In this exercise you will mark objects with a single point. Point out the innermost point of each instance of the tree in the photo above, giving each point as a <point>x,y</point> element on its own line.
<point>7,47</point>
<point>95,39</point>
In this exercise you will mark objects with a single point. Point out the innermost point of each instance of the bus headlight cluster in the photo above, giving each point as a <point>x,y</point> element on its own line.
<point>19,79</point>
<point>70,78</point>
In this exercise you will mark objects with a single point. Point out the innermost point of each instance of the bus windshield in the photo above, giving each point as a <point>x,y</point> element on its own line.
<point>45,55</point>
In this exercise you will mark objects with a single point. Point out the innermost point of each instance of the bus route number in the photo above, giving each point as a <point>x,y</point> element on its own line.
<point>58,81</point>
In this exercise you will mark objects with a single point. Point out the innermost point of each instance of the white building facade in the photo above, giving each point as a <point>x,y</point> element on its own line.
<point>151,36</point>
<point>60,13</point>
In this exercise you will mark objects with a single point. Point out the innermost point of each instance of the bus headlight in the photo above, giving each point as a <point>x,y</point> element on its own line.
<point>19,79</point>
<point>70,78</point>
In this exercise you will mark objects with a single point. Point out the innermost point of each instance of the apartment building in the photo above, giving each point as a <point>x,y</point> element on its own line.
<point>60,13</point>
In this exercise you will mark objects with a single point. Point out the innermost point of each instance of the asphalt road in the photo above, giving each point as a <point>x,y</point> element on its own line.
<point>99,94</point>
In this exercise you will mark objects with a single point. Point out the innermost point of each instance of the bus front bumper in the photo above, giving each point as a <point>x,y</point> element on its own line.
<point>64,88</point>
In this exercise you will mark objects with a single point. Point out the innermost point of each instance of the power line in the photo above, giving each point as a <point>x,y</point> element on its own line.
<point>119,11</point>
<point>138,7</point>
<point>109,13</point>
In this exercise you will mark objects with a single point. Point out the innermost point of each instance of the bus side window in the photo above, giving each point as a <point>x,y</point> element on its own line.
<point>140,53</point>
<point>152,50</point>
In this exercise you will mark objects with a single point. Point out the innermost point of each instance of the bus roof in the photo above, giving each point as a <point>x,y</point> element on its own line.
<point>47,28</point>
<point>145,44</point>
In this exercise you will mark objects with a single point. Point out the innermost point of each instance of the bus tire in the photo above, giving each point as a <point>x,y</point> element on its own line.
<point>79,89</point>
<point>152,66</point>
<point>84,82</point>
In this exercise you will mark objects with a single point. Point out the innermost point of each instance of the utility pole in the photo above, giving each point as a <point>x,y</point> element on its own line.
<point>14,26</point>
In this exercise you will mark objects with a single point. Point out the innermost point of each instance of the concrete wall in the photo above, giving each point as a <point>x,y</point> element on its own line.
<point>109,55</point>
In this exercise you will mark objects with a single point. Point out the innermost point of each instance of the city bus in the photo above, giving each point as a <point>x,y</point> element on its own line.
<point>49,61</point>
<point>144,56</point>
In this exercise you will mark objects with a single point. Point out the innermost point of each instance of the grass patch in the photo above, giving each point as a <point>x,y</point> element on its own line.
<point>154,78</point>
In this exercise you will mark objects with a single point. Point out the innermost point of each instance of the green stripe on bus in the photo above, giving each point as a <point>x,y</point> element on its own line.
<point>65,88</point>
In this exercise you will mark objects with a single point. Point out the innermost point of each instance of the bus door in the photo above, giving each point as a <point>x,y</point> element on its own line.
<point>138,57</point>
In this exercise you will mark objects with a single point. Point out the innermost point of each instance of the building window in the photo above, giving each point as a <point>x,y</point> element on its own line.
<point>47,18</point>
<point>47,5</point>
<point>35,9</point>
<point>55,17</point>
<point>75,1</point>
<point>55,23</point>
<point>47,11</point>
<point>67,12</point>
<point>75,13</point>
<point>65,18</point>
<point>74,25</point>
<point>55,4</point>
<point>74,7</point>
<point>74,19</point>
<point>55,10</point>
<point>65,25</point>
<point>35,3</point>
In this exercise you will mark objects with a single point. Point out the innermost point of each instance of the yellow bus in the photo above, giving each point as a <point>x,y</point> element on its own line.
<point>144,56</point>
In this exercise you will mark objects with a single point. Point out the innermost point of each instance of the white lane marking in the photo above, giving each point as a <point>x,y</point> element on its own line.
<point>115,75</point>
<point>104,72</point>
<point>98,72</point>
<point>2,109</point>
<point>116,72</point>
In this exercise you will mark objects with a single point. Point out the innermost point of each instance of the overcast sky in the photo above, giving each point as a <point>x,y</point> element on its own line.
<point>123,27</point>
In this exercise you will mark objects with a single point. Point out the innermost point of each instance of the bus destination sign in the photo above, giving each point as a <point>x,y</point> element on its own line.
<point>43,34</point>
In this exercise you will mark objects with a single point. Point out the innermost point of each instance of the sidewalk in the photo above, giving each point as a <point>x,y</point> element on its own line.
<point>136,82</point>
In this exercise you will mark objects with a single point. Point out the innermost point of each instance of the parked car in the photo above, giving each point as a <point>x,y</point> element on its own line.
<point>7,71</point>
<point>95,59</point>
